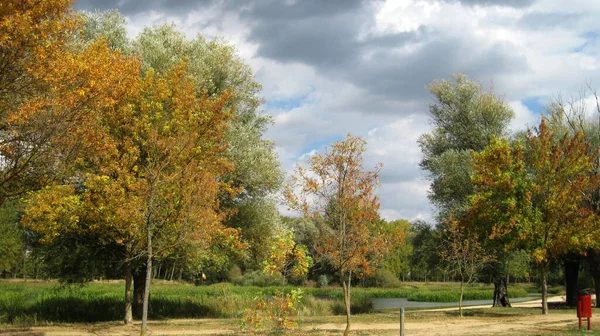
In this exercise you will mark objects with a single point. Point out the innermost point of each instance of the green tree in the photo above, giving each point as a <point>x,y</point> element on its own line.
<point>12,244</point>
<point>465,119</point>
<point>424,260</point>
<point>397,259</point>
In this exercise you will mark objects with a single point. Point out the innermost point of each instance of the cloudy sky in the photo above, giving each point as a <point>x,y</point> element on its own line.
<point>330,67</point>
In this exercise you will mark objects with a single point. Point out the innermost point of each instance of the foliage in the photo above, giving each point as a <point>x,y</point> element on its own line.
<point>216,69</point>
<point>12,244</point>
<point>537,197</point>
<point>464,119</point>
<point>287,258</point>
<point>322,281</point>
<point>276,310</point>
<point>424,260</point>
<point>383,278</point>
<point>396,261</point>
<point>259,279</point>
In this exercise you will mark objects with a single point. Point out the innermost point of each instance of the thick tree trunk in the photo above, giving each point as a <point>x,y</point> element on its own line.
<point>501,298</point>
<point>139,287</point>
<point>346,286</point>
<point>544,290</point>
<point>128,294</point>
<point>593,259</point>
<point>148,280</point>
<point>572,261</point>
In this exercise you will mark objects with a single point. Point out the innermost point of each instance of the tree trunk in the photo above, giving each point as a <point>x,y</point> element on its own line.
<point>501,298</point>
<point>128,294</point>
<point>139,287</point>
<point>593,259</point>
<point>346,286</point>
<point>544,290</point>
<point>571,264</point>
<point>148,279</point>
<point>462,291</point>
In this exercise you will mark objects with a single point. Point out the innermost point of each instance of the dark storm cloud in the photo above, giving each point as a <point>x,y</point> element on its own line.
<point>133,7</point>
<point>331,44</point>
<point>329,36</point>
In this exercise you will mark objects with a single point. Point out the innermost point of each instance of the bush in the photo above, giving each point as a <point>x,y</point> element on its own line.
<point>323,281</point>
<point>259,279</point>
<point>384,279</point>
<point>233,273</point>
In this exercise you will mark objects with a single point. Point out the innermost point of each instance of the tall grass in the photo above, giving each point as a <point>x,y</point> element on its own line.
<point>30,303</point>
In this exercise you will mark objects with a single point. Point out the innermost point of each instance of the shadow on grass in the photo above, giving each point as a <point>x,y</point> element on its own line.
<point>103,309</point>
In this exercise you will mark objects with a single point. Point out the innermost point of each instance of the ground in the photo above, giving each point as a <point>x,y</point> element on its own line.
<point>525,319</point>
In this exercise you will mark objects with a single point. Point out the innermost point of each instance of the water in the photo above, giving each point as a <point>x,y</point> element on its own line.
<point>398,303</point>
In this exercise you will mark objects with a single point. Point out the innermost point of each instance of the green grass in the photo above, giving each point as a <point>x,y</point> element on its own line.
<point>32,303</point>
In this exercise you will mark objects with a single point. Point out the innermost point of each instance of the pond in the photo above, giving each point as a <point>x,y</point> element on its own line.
<point>398,303</point>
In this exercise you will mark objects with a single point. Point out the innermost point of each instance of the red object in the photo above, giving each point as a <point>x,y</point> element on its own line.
<point>584,308</point>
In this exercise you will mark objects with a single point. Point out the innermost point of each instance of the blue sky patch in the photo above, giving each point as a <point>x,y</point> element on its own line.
<point>590,38</point>
<point>535,104</point>
<point>286,104</point>
<point>320,143</point>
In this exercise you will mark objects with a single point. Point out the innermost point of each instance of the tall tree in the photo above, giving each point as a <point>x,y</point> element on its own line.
<point>216,68</point>
<point>570,117</point>
<point>465,118</point>
<point>47,90</point>
<point>339,194</point>
<point>154,181</point>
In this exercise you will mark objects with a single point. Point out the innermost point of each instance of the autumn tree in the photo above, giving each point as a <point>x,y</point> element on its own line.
<point>339,195</point>
<point>570,117</point>
<point>155,181</point>
<point>536,196</point>
<point>217,68</point>
<point>46,90</point>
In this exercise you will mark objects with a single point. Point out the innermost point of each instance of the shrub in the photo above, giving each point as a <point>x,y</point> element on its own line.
<point>384,279</point>
<point>234,272</point>
<point>323,281</point>
<point>259,279</point>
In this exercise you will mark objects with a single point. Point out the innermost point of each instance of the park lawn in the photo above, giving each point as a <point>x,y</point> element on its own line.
<point>40,302</point>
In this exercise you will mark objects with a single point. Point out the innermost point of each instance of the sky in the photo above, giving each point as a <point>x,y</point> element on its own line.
<point>333,67</point>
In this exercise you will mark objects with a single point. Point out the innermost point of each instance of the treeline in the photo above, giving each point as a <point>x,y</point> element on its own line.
<point>143,158</point>
<point>498,193</point>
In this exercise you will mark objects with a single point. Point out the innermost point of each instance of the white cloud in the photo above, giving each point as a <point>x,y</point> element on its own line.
<point>377,88</point>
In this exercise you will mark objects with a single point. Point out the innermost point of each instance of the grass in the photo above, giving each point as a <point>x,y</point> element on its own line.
<point>35,303</point>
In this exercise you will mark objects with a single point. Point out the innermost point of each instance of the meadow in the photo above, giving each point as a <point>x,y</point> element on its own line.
<point>38,303</point>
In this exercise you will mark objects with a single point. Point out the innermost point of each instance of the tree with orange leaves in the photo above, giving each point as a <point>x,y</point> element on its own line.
<point>156,180</point>
<point>49,92</point>
<point>339,195</point>
<point>536,197</point>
